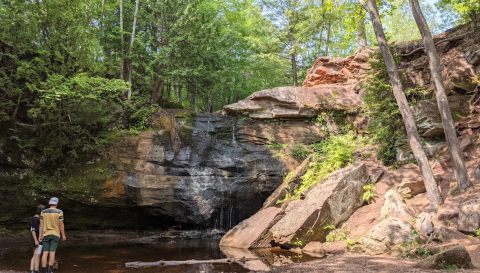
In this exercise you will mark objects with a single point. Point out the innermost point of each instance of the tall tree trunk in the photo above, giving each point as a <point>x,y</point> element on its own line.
<point>213,104</point>
<point>157,90</point>
<point>447,121</point>
<point>180,95</point>
<point>361,33</point>
<point>432,190</point>
<point>195,99</point>
<point>169,90</point>
<point>130,68</point>
<point>122,64</point>
<point>328,37</point>
<point>293,54</point>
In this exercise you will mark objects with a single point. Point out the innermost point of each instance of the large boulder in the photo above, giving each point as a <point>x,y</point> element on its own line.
<point>469,215</point>
<point>330,202</point>
<point>453,258</point>
<point>396,207</point>
<point>254,231</point>
<point>296,102</point>
<point>384,236</point>
<point>427,116</point>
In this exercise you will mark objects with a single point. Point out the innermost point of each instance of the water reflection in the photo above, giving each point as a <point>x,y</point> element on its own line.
<point>76,257</point>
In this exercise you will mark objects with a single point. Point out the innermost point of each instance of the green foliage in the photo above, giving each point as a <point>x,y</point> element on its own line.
<point>300,151</point>
<point>386,124</point>
<point>72,115</point>
<point>330,155</point>
<point>414,248</point>
<point>477,232</point>
<point>277,145</point>
<point>328,226</point>
<point>297,242</point>
<point>140,120</point>
<point>369,193</point>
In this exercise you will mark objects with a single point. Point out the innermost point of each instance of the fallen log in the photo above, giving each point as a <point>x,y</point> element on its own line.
<point>167,263</point>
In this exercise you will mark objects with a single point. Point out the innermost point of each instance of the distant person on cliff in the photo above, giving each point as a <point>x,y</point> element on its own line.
<point>51,228</point>
<point>35,240</point>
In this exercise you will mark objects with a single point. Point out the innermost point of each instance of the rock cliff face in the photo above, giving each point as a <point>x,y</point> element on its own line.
<point>198,170</point>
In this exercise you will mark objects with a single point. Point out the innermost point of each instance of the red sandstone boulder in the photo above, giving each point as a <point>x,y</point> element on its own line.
<point>292,102</point>
<point>254,231</point>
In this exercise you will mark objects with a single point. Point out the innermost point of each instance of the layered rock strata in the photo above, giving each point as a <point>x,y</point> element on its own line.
<point>326,203</point>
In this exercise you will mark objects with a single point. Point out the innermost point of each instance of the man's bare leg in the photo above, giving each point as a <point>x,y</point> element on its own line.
<point>44,259</point>
<point>51,261</point>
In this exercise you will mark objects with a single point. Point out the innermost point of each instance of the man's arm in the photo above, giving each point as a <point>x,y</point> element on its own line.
<point>35,237</point>
<point>62,230</point>
<point>40,231</point>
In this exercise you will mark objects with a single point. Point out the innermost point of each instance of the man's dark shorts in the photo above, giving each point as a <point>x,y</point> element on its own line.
<point>50,243</point>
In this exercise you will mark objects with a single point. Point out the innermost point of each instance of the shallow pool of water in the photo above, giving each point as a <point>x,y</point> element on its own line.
<point>78,256</point>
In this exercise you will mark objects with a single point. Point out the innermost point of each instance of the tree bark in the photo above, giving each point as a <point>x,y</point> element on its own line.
<point>293,57</point>
<point>436,69</point>
<point>130,68</point>
<point>328,37</point>
<point>157,90</point>
<point>180,96</point>
<point>432,190</point>
<point>195,99</point>
<point>362,35</point>
<point>122,64</point>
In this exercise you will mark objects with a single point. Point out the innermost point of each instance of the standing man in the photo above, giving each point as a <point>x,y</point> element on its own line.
<point>51,228</point>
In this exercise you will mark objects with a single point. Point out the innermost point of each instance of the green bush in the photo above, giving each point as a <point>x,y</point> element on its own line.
<point>329,156</point>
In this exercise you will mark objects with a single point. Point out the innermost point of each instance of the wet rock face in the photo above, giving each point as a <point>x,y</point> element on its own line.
<point>219,176</point>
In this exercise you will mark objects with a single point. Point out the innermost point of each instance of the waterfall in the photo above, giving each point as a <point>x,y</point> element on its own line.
<point>233,132</point>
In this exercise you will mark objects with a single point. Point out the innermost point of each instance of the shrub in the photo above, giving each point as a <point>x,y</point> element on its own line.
<point>331,155</point>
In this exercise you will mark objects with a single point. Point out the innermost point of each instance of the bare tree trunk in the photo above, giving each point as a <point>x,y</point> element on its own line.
<point>213,104</point>
<point>157,90</point>
<point>122,64</point>
<point>328,37</point>
<point>195,99</point>
<point>17,105</point>
<point>130,68</point>
<point>432,190</point>
<point>293,56</point>
<point>169,90</point>
<point>362,35</point>
<point>180,96</point>
<point>436,69</point>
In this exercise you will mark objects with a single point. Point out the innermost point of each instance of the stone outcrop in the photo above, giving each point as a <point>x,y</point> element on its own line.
<point>338,70</point>
<point>253,232</point>
<point>456,257</point>
<point>411,187</point>
<point>330,202</point>
<point>427,116</point>
<point>396,207</point>
<point>384,235</point>
<point>296,102</point>
<point>469,215</point>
